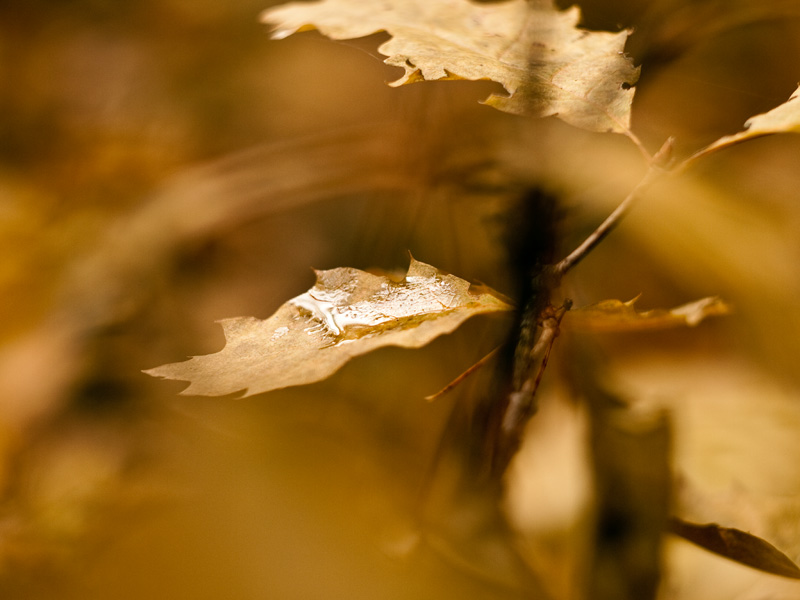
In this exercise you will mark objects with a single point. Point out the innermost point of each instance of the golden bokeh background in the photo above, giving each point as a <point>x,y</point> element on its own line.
<point>165,164</point>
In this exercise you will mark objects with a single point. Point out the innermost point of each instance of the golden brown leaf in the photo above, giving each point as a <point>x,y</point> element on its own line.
<point>347,313</point>
<point>784,118</point>
<point>547,64</point>
<point>615,315</point>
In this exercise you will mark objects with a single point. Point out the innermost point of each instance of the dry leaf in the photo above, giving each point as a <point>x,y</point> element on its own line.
<point>737,545</point>
<point>784,118</point>
<point>615,315</point>
<point>547,64</point>
<point>347,313</point>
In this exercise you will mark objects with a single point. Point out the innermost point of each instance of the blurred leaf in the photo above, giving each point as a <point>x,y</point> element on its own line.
<point>547,65</point>
<point>737,545</point>
<point>784,118</point>
<point>615,315</point>
<point>347,313</point>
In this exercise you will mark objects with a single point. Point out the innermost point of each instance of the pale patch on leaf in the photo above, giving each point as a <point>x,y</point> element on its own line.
<point>547,64</point>
<point>737,545</point>
<point>784,118</point>
<point>347,313</point>
<point>615,315</point>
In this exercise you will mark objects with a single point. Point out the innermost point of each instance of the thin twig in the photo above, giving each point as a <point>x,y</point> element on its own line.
<point>639,145</point>
<point>721,144</point>
<point>656,170</point>
<point>463,375</point>
<point>599,234</point>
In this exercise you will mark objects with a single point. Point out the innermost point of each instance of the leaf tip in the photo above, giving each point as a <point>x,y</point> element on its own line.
<point>736,545</point>
<point>696,312</point>
<point>633,300</point>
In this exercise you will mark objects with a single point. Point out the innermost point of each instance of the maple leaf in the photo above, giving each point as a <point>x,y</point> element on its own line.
<point>347,313</point>
<point>547,64</point>
<point>784,118</point>
<point>615,315</point>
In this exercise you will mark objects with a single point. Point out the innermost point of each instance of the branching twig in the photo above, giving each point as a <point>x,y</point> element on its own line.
<point>521,401</point>
<point>639,145</point>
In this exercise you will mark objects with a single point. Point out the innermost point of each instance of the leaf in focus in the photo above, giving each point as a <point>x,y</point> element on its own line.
<point>737,545</point>
<point>347,313</point>
<point>615,315</point>
<point>547,64</point>
<point>784,118</point>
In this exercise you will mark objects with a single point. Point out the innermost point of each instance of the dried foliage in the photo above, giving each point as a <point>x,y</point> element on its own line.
<point>615,315</point>
<point>545,62</point>
<point>347,313</point>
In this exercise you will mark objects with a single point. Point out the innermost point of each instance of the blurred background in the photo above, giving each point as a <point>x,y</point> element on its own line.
<point>165,164</point>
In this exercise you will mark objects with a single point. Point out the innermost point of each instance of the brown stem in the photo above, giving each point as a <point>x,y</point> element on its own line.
<point>656,170</point>
<point>521,404</point>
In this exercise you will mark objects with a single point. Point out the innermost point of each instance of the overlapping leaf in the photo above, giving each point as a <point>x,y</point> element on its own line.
<point>615,315</point>
<point>347,313</point>
<point>547,64</point>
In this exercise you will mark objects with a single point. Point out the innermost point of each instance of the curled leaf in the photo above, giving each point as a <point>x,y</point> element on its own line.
<point>347,313</point>
<point>615,315</point>
<point>737,545</point>
<point>545,62</point>
<point>784,118</point>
